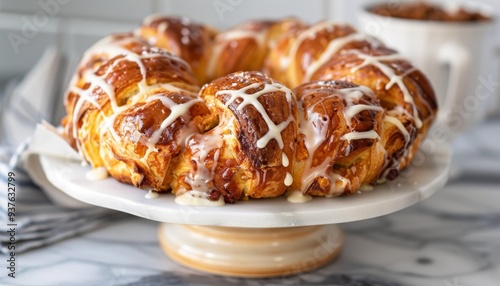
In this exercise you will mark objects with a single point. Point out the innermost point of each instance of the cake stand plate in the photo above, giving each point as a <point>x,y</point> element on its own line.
<point>254,238</point>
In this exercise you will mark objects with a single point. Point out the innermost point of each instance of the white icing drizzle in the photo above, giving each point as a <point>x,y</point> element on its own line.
<point>274,130</point>
<point>393,77</point>
<point>310,33</point>
<point>297,197</point>
<point>176,111</point>
<point>112,47</point>
<point>399,125</point>
<point>352,111</point>
<point>162,27</point>
<point>259,36</point>
<point>333,47</point>
<point>365,188</point>
<point>407,97</point>
<point>315,129</point>
<point>284,62</point>
<point>201,146</point>
<point>372,134</point>
<point>199,178</point>
<point>381,149</point>
<point>288,179</point>
<point>151,195</point>
<point>334,189</point>
<point>198,198</point>
<point>352,95</point>
<point>99,173</point>
<point>394,165</point>
<point>284,160</point>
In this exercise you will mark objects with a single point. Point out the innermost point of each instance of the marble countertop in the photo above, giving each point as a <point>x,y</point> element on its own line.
<point>450,239</point>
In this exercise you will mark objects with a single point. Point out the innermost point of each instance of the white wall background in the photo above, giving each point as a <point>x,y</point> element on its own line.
<point>73,25</point>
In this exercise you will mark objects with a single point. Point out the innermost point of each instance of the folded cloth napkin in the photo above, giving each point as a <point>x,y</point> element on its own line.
<point>38,219</point>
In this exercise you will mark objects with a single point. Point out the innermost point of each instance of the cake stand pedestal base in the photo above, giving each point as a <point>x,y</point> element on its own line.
<point>251,252</point>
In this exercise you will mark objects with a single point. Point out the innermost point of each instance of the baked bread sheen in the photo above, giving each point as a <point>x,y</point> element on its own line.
<point>130,105</point>
<point>249,152</point>
<point>285,106</point>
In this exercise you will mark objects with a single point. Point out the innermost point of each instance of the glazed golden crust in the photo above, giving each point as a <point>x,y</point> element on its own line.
<point>123,110</point>
<point>245,47</point>
<point>356,116</point>
<point>191,41</point>
<point>234,159</point>
<point>328,164</point>
<point>298,53</point>
<point>411,102</point>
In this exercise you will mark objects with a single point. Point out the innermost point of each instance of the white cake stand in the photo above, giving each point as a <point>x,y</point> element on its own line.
<point>256,238</point>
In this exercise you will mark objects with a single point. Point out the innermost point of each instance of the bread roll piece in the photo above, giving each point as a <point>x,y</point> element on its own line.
<point>338,146</point>
<point>130,107</point>
<point>250,152</point>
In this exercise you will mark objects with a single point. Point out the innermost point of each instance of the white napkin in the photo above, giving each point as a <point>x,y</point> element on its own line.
<point>32,100</point>
<point>47,142</point>
<point>41,217</point>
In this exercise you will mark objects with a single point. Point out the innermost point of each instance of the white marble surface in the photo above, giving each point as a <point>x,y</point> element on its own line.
<point>450,239</point>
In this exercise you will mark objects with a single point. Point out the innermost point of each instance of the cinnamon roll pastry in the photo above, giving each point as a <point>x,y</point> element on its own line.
<point>130,107</point>
<point>245,47</point>
<point>337,148</point>
<point>250,151</point>
<point>357,114</point>
<point>298,55</point>
<point>181,36</point>
<point>404,92</point>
